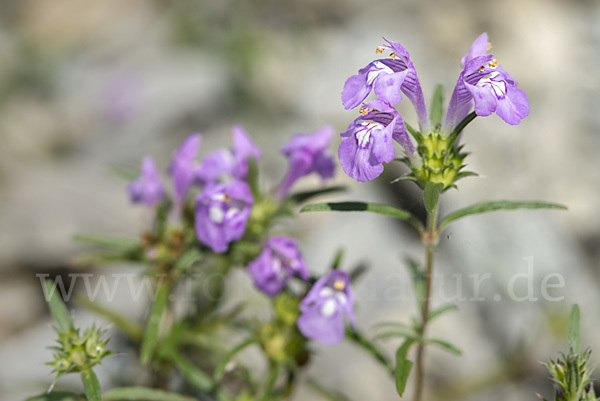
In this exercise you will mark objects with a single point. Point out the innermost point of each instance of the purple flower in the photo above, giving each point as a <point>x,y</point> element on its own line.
<point>307,153</point>
<point>279,260</point>
<point>323,308</point>
<point>183,166</point>
<point>483,83</point>
<point>367,142</point>
<point>147,189</point>
<point>222,211</point>
<point>389,78</point>
<point>229,163</point>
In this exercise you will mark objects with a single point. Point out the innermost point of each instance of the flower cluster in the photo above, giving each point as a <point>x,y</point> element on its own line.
<point>225,205</point>
<point>76,352</point>
<point>431,152</point>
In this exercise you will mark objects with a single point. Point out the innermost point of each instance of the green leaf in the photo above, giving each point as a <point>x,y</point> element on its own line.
<point>357,271</point>
<point>124,323</point>
<point>187,259</point>
<point>574,335</point>
<point>337,259</point>
<point>91,385</point>
<point>57,396</point>
<point>223,364</point>
<point>58,309</point>
<point>365,207</point>
<point>441,310</point>
<point>483,207</point>
<point>125,172</point>
<point>445,345</point>
<point>143,394</point>
<point>403,366</point>
<point>437,106</point>
<point>192,373</point>
<point>300,197</point>
<point>253,182</point>
<point>461,125</point>
<point>108,242</point>
<point>327,393</point>
<point>410,129</point>
<point>151,336</point>
<point>369,347</point>
<point>419,280</point>
<point>431,195</point>
<point>395,334</point>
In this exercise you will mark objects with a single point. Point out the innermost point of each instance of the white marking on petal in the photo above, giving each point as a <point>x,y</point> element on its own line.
<point>326,292</point>
<point>329,308</point>
<point>216,214</point>
<point>363,132</point>
<point>219,197</point>
<point>341,298</point>
<point>377,68</point>
<point>231,212</point>
<point>498,86</point>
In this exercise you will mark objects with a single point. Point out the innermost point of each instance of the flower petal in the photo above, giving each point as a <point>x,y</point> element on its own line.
<point>514,107</point>
<point>355,91</point>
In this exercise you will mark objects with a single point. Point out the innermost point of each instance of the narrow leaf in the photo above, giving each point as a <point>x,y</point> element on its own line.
<point>395,334</point>
<point>192,373</point>
<point>337,259</point>
<point>58,309</point>
<point>437,106</point>
<point>151,336</point>
<point>253,182</point>
<point>445,345</point>
<point>126,173</point>
<point>441,310</point>
<point>403,366</point>
<point>143,394</point>
<point>57,396</point>
<point>419,280</point>
<point>187,259</point>
<point>574,334</point>
<point>365,344</point>
<point>91,385</point>
<point>461,125</point>
<point>124,323</point>
<point>235,350</point>
<point>326,393</point>
<point>431,195</point>
<point>483,207</point>
<point>108,242</point>
<point>365,207</point>
<point>300,197</point>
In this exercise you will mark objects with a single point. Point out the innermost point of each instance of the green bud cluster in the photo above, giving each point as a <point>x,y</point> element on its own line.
<point>76,352</point>
<point>572,376</point>
<point>280,338</point>
<point>439,161</point>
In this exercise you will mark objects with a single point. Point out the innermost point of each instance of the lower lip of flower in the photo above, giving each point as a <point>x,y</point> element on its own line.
<point>363,132</point>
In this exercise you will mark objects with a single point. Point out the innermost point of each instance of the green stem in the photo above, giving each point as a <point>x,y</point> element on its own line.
<point>430,239</point>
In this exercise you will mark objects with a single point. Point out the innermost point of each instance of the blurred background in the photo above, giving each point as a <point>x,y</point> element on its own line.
<point>89,85</point>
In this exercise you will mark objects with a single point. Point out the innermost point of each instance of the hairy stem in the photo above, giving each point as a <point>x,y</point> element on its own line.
<point>430,239</point>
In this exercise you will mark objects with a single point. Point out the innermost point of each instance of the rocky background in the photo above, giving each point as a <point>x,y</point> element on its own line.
<point>89,85</point>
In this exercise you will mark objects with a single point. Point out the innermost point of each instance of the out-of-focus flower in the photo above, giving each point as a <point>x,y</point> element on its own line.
<point>226,164</point>
<point>183,167</point>
<point>389,78</point>
<point>279,260</point>
<point>222,211</point>
<point>324,307</point>
<point>367,142</point>
<point>484,84</point>
<point>307,153</point>
<point>148,188</point>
